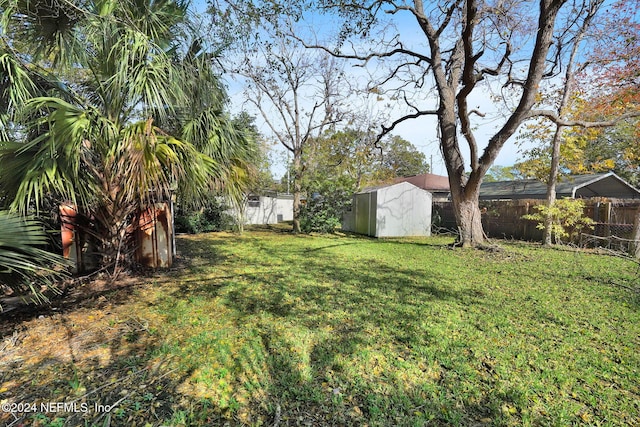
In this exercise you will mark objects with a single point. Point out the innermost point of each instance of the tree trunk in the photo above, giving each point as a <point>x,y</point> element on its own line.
<point>296,211</point>
<point>551,185</point>
<point>297,189</point>
<point>112,237</point>
<point>557,136</point>
<point>547,233</point>
<point>465,193</point>
<point>469,220</point>
<point>634,247</point>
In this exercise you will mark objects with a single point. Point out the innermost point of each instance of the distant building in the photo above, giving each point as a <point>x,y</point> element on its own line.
<point>269,208</point>
<point>604,185</point>
<point>437,185</point>
<point>610,201</point>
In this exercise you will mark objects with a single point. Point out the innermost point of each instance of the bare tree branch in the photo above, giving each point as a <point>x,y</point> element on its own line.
<point>366,58</point>
<point>555,118</point>
<point>390,128</point>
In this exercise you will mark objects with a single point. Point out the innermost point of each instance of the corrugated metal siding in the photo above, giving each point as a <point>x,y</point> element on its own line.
<point>362,210</point>
<point>403,210</point>
<point>390,211</point>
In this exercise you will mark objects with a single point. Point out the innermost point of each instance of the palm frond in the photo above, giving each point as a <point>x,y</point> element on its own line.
<point>152,163</point>
<point>49,162</point>
<point>233,151</point>
<point>49,26</point>
<point>24,264</point>
<point>16,87</point>
<point>156,19</point>
<point>138,115</point>
<point>145,77</point>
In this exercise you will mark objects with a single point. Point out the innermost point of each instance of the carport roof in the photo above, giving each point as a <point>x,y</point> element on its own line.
<point>607,185</point>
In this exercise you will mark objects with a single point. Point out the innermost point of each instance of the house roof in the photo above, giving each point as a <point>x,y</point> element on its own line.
<point>427,181</point>
<point>273,194</point>
<point>607,185</point>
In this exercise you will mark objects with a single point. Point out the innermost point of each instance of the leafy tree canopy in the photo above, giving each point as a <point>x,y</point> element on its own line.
<point>352,157</point>
<point>605,90</point>
<point>339,163</point>
<point>502,173</point>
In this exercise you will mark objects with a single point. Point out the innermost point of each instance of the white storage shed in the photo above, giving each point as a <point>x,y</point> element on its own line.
<point>396,210</point>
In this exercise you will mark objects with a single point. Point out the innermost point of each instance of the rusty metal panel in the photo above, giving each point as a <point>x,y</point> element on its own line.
<point>77,244</point>
<point>154,236</point>
<point>70,242</point>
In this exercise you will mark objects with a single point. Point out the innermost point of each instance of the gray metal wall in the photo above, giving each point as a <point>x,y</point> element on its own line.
<point>395,211</point>
<point>365,213</point>
<point>403,210</point>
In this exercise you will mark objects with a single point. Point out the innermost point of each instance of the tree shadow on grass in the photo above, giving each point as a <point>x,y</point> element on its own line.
<point>288,337</point>
<point>326,392</point>
<point>299,337</point>
<point>322,327</point>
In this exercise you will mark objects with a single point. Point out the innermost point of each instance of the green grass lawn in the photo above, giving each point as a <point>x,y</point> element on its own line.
<point>274,329</point>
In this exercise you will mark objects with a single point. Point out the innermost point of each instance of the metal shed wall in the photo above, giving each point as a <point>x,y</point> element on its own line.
<point>284,208</point>
<point>365,216</point>
<point>154,236</point>
<point>403,210</point>
<point>398,210</point>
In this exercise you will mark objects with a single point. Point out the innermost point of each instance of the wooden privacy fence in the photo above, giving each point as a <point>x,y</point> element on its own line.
<point>503,218</point>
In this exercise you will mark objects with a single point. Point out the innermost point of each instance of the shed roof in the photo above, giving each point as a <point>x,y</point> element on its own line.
<point>380,187</point>
<point>607,185</point>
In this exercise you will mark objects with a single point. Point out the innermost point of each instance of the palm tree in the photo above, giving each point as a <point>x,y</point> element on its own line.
<point>114,107</point>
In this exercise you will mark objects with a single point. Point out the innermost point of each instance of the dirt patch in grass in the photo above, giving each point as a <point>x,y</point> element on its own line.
<point>85,359</point>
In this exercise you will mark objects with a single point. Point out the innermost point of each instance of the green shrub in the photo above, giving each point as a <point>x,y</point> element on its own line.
<point>567,219</point>
<point>210,218</point>
<point>323,212</point>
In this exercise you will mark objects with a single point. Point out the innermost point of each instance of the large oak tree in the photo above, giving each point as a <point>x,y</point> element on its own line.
<point>445,58</point>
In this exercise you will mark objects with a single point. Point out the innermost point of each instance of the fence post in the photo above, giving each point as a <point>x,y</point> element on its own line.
<point>634,247</point>
<point>526,223</point>
<point>607,219</point>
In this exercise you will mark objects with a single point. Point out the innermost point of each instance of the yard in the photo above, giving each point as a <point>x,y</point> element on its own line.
<point>274,329</point>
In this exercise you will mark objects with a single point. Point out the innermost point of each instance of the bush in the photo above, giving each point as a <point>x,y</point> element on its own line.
<point>567,219</point>
<point>210,218</point>
<point>323,212</point>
